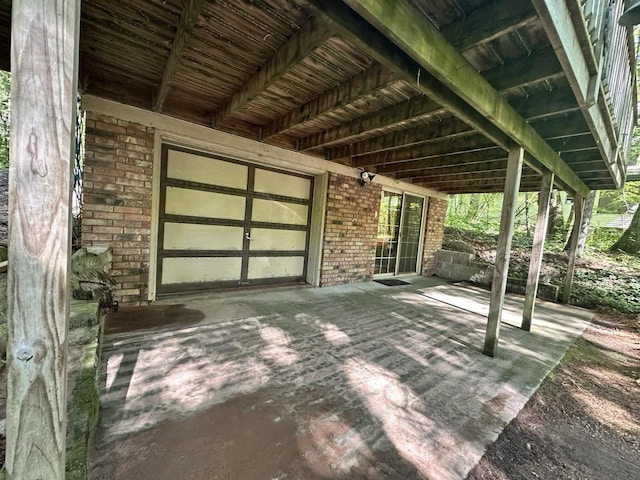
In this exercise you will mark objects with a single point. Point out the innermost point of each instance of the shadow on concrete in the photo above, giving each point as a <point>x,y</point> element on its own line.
<point>319,383</point>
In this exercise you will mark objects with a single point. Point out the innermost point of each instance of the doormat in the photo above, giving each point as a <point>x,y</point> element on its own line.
<point>392,282</point>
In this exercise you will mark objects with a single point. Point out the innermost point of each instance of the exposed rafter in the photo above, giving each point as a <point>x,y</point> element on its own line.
<point>188,19</point>
<point>401,22</point>
<point>520,73</point>
<point>360,86</point>
<point>488,23</point>
<point>474,157</point>
<point>310,36</point>
<point>441,146</point>
<point>413,108</point>
<point>403,138</point>
<point>546,104</point>
<point>560,100</point>
<point>481,25</point>
<point>571,52</point>
<point>358,32</point>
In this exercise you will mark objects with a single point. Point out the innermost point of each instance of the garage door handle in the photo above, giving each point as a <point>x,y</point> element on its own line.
<point>247,236</point>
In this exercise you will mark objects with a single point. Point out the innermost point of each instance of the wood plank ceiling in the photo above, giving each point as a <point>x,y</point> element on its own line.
<point>279,72</point>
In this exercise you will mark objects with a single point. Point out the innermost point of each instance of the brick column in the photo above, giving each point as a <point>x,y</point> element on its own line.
<point>351,227</point>
<point>433,234</point>
<point>117,199</point>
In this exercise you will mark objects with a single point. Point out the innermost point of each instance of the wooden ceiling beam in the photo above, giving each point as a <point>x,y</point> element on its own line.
<point>572,124</point>
<point>487,23</point>
<point>480,26</point>
<point>310,36</point>
<point>466,93</point>
<point>546,104</point>
<point>576,59</point>
<point>423,106</point>
<point>582,156</point>
<point>407,169</point>
<point>573,143</point>
<point>364,84</point>
<point>541,65</point>
<point>447,170</point>
<point>438,147</point>
<point>358,32</point>
<point>568,125</point>
<point>492,170</point>
<point>188,19</point>
<point>479,181</point>
<point>416,107</point>
<point>451,127</point>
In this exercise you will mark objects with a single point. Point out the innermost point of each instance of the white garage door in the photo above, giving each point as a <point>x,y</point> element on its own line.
<point>225,223</point>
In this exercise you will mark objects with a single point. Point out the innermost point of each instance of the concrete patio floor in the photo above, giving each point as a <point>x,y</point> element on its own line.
<point>357,381</point>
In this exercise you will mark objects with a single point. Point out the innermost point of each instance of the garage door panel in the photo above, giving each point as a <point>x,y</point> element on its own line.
<point>277,183</point>
<point>197,203</point>
<point>196,168</point>
<point>275,239</point>
<point>273,211</point>
<point>199,269</point>
<point>229,223</point>
<point>272,267</point>
<point>182,236</point>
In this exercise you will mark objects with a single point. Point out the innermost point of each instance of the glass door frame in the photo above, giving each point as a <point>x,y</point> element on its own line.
<point>423,220</point>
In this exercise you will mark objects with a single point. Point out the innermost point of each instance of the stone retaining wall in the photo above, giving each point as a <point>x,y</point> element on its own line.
<point>462,267</point>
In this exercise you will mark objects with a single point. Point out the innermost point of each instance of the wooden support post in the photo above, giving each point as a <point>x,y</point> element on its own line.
<point>501,269</point>
<point>536,252</point>
<point>44,60</point>
<point>578,204</point>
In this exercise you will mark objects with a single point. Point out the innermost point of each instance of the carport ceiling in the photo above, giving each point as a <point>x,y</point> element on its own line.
<point>281,72</point>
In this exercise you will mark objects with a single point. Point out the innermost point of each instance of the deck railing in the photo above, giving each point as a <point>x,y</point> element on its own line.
<point>615,58</point>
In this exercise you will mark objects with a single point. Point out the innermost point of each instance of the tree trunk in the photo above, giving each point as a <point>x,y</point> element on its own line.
<point>556,220</point>
<point>629,242</point>
<point>586,222</point>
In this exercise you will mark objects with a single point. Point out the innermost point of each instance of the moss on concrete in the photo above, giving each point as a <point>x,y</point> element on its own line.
<point>83,400</point>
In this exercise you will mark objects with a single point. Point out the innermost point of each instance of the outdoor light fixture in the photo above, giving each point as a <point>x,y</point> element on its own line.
<point>631,16</point>
<point>366,178</point>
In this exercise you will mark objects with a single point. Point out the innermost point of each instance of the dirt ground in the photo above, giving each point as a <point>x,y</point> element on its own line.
<point>584,421</point>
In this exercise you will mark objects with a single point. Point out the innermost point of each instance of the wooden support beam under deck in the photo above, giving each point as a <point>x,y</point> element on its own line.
<point>411,109</point>
<point>503,251</point>
<point>422,106</point>
<point>44,72</point>
<point>310,36</point>
<point>402,138</point>
<point>404,24</point>
<point>188,19</point>
<point>556,19</point>
<point>366,83</point>
<point>578,205</point>
<point>353,28</point>
<point>488,23</point>
<point>535,263</point>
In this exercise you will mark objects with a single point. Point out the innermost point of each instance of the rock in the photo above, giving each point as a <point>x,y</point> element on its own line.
<point>90,279</point>
<point>460,246</point>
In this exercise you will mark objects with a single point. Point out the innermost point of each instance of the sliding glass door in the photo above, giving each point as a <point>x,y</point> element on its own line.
<point>399,233</point>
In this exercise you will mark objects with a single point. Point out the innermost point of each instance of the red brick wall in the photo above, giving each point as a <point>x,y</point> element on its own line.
<point>434,231</point>
<point>351,227</point>
<point>117,199</point>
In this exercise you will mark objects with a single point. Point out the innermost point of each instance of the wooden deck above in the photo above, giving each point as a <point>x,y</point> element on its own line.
<point>432,92</point>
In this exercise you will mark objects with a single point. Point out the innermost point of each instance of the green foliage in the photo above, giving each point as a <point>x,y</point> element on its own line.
<point>4,119</point>
<point>602,279</point>
<point>619,201</point>
<point>606,289</point>
<point>480,213</point>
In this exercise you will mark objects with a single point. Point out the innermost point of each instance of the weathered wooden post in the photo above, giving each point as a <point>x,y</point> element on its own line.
<point>503,251</point>
<point>533,279</point>
<point>44,58</point>
<point>578,208</point>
